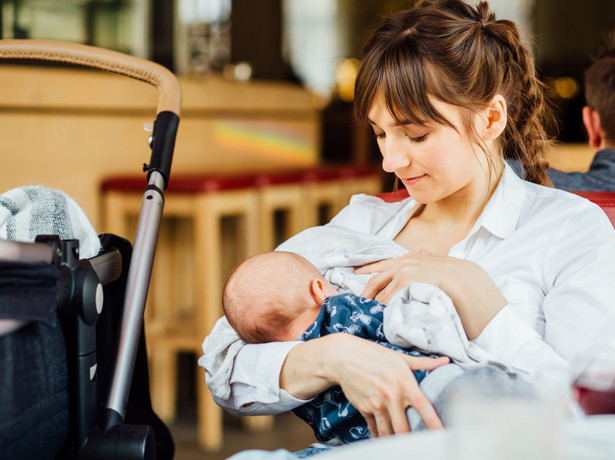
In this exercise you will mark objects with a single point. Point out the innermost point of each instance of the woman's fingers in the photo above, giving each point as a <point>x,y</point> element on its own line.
<point>374,286</point>
<point>399,419</point>
<point>393,419</point>
<point>375,267</point>
<point>425,363</point>
<point>384,295</point>
<point>386,420</point>
<point>371,425</point>
<point>387,279</point>
<point>380,384</point>
<point>384,426</point>
<point>427,413</point>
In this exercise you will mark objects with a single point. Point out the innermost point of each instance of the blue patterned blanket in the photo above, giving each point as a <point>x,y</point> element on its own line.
<point>330,414</point>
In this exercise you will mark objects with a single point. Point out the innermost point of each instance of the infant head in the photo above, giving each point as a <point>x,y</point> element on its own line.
<point>269,297</point>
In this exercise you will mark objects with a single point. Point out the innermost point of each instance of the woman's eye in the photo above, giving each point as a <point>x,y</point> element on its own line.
<point>419,139</point>
<point>380,135</point>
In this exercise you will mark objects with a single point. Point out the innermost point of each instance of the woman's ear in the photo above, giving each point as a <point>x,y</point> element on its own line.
<point>593,126</point>
<point>494,118</point>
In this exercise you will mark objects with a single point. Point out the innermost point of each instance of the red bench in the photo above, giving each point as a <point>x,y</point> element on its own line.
<point>606,200</point>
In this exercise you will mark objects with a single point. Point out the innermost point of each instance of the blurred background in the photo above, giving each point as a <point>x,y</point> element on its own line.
<point>267,85</point>
<point>314,43</point>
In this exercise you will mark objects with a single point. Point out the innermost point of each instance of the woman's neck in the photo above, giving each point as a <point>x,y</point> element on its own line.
<point>437,226</point>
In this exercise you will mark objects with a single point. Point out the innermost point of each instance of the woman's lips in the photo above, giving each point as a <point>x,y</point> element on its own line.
<point>412,180</point>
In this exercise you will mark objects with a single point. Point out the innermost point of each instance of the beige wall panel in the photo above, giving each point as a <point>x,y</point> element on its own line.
<point>69,129</point>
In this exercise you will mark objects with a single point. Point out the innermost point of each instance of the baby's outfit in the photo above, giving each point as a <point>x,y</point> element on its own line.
<point>330,414</point>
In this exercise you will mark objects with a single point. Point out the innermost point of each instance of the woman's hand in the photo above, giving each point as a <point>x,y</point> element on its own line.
<point>474,295</point>
<point>392,275</point>
<point>376,380</point>
<point>379,382</point>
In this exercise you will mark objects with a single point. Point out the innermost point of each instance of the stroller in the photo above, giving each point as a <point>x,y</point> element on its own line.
<point>98,302</point>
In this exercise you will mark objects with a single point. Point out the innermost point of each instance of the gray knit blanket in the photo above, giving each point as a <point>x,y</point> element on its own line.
<point>26,212</point>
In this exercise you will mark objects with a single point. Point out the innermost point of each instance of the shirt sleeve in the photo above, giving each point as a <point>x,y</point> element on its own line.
<point>578,309</point>
<point>513,341</point>
<point>244,378</point>
<point>255,383</point>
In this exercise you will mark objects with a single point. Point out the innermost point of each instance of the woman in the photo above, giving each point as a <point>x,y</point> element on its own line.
<point>450,92</point>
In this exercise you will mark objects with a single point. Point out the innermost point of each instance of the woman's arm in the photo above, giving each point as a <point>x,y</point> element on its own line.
<point>560,286</point>
<point>577,314</point>
<point>276,377</point>
<point>376,380</point>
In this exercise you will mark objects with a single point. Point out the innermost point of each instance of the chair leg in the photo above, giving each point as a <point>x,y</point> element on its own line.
<point>163,381</point>
<point>258,423</point>
<point>209,418</point>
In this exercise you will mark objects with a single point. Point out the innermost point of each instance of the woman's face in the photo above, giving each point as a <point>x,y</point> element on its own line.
<point>434,161</point>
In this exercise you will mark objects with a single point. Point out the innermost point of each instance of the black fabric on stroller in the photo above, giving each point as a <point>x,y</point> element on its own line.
<point>139,408</point>
<point>35,414</point>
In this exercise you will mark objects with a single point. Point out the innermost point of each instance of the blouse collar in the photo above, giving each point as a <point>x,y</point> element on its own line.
<point>501,215</point>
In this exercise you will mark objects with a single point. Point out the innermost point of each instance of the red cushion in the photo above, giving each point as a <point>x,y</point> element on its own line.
<point>183,183</point>
<point>606,200</point>
<point>189,183</point>
<point>397,195</point>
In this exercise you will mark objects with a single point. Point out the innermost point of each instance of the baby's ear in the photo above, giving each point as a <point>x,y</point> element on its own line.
<point>317,291</point>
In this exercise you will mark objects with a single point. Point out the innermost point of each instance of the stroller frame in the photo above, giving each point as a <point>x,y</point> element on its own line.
<point>102,434</point>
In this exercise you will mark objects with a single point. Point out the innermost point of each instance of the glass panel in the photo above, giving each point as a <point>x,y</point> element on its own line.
<point>120,25</point>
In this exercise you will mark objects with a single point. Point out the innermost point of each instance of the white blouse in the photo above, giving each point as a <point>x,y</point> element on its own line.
<point>551,254</point>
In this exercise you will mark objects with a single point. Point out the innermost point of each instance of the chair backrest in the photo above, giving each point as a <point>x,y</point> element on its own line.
<point>606,200</point>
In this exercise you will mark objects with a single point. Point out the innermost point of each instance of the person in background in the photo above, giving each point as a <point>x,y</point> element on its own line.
<point>599,121</point>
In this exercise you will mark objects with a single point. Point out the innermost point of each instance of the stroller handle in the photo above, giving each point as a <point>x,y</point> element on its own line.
<point>99,58</point>
<point>169,91</point>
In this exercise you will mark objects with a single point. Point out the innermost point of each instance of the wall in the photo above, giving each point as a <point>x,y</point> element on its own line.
<point>68,129</point>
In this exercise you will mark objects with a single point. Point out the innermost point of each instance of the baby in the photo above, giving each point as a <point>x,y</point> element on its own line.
<point>280,296</point>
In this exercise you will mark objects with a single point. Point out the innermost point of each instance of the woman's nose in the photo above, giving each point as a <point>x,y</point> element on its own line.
<point>394,156</point>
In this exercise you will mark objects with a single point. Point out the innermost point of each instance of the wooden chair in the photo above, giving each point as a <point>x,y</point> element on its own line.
<point>291,201</point>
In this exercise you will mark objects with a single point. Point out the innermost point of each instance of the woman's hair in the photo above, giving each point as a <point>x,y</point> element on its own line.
<point>600,86</point>
<point>463,56</point>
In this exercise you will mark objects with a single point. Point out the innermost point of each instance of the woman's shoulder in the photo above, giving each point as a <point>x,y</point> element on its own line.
<point>369,213</point>
<point>564,207</point>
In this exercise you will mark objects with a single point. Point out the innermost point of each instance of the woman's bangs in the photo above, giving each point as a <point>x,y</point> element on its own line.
<point>406,90</point>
